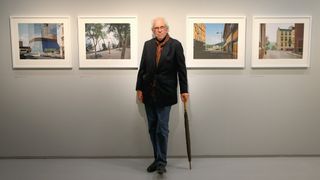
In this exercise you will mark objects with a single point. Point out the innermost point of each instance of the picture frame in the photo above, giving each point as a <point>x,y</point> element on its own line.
<point>281,42</point>
<point>107,42</point>
<point>216,42</point>
<point>40,42</point>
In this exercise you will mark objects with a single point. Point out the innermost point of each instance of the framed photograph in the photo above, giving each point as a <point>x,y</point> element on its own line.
<point>40,42</point>
<point>216,42</point>
<point>107,42</point>
<point>281,42</point>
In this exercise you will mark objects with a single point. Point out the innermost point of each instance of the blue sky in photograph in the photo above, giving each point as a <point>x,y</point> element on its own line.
<point>214,33</point>
<point>29,31</point>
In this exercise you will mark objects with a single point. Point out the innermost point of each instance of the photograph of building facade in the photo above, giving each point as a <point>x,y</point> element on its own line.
<point>215,41</point>
<point>199,38</point>
<point>41,41</point>
<point>281,41</point>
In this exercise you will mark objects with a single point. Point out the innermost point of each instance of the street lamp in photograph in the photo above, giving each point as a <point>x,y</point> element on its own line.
<point>221,34</point>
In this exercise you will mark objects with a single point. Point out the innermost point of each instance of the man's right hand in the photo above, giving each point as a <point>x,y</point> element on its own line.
<point>140,95</point>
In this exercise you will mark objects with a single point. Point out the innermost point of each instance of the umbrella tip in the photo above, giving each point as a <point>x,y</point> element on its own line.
<point>190,165</point>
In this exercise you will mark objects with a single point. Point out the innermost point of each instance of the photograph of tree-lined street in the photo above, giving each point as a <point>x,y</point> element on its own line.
<point>107,40</point>
<point>281,41</point>
<point>215,40</point>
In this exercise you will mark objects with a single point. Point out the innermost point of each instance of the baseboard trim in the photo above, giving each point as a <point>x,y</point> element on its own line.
<point>147,157</point>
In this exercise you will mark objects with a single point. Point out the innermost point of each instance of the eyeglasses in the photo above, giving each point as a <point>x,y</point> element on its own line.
<point>159,28</point>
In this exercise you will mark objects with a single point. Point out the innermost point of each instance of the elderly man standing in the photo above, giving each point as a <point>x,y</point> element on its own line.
<point>162,66</point>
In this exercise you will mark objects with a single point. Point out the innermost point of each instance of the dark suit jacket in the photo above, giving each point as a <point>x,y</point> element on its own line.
<point>164,77</point>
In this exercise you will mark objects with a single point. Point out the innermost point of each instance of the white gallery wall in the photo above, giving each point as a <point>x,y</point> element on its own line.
<point>94,112</point>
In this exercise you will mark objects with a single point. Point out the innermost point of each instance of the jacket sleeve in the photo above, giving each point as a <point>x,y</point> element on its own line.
<point>142,70</point>
<point>182,70</point>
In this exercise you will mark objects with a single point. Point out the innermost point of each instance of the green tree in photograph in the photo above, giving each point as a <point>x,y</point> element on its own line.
<point>94,32</point>
<point>122,33</point>
<point>267,43</point>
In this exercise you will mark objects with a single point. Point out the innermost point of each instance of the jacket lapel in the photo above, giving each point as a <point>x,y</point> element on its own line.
<point>152,50</point>
<point>165,52</point>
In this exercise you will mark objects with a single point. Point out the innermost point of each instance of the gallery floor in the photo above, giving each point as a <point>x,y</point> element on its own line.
<point>227,168</point>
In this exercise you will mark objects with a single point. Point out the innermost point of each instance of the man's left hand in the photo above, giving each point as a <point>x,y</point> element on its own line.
<point>184,97</point>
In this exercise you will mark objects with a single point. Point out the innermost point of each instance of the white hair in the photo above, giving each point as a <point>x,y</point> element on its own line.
<point>159,18</point>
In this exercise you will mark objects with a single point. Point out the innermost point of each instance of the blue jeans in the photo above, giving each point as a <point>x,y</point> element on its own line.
<point>158,124</point>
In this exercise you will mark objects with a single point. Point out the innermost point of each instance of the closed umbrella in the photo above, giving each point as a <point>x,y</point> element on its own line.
<point>186,125</point>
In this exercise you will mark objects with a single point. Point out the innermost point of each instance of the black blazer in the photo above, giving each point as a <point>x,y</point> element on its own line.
<point>163,77</point>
